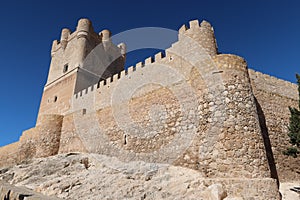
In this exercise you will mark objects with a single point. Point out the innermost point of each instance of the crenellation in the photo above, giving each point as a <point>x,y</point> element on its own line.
<point>169,55</point>
<point>115,78</point>
<point>102,84</point>
<point>194,24</point>
<point>123,73</point>
<point>54,48</point>
<point>108,80</point>
<point>149,60</point>
<point>206,24</point>
<point>182,29</point>
<point>122,46</point>
<point>158,56</point>
<point>203,34</point>
<point>130,70</point>
<point>97,85</point>
<point>84,27</point>
<point>106,35</point>
<point>229,103</point>
<point>65,33</point>
<point>91,88</point>
<point>139,65</point>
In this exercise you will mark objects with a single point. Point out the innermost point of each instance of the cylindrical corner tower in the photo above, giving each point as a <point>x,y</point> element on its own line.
<point>240,151</point>
<point>203,34</point>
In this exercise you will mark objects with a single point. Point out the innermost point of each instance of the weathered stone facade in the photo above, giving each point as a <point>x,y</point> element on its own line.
<point>273,96</point>
<point>190,107</point>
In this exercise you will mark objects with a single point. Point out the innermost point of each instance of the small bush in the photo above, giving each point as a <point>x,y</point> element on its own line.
<point>294,128</point>
<point>291,151</point>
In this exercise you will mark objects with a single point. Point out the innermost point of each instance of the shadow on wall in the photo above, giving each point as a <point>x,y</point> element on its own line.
<point>267,142</point>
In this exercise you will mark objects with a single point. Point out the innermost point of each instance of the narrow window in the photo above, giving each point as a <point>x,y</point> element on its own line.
<point>65,68</point>
<point>55,99</point>
<point>125,139</point>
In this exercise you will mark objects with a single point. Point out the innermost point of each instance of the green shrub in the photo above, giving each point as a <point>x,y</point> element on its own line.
<point>291,151</point>
<point>294,127</point>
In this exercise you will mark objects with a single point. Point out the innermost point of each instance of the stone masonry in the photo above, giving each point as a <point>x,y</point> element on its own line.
<point>188,106</point>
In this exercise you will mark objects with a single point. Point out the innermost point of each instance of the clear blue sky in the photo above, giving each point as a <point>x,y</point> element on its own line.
<point>265,33</point>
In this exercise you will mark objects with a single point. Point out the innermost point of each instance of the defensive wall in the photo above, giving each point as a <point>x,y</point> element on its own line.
<point>273,97</point>
<point>187,106</point>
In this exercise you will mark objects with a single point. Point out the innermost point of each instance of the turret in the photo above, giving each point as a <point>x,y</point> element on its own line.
<point>83,30</point>
<point>241,134</point>
<point>84,26</point>
<point>106,39</point>
<point>122,47</point>
<point>64,37</point>
<point>203,34</point>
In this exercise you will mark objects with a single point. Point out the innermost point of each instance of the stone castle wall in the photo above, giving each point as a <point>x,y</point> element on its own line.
<point>56,98</point>
<point>73,67</point>
<point>9,154</point>
<point>218,133</point>
<point>71,49</point>
<point>274,96</point>
<point>188,106</point>
<point>33,144</point>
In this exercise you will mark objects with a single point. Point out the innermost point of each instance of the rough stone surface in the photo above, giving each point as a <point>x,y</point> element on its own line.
<point>286,190</point>
<point>273,98</point>
<point>94,176</point>
<point>10,192</point>
<point>188,107</point>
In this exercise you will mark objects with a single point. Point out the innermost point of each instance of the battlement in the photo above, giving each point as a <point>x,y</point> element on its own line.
<point>203,33</point>
<point>194,25</point>
<point>197,108</point>
<point>72,54</point>
<point>85,30</point>
<point>124,73</point>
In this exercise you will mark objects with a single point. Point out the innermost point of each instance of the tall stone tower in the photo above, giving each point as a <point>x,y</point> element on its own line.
<point>78,60</point>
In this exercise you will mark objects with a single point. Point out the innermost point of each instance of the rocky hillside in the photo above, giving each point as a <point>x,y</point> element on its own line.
<point>92,176</point>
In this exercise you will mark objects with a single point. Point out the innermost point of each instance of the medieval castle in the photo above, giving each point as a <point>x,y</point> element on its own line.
<point>189,106</point>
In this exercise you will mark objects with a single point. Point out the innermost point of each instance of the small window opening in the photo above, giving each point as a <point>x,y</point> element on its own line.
<point>55,99</point>
<point>125,139</point>
<point>66,67</point>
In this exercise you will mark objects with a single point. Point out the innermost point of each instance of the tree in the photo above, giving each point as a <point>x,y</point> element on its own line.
<point>294,127</point>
